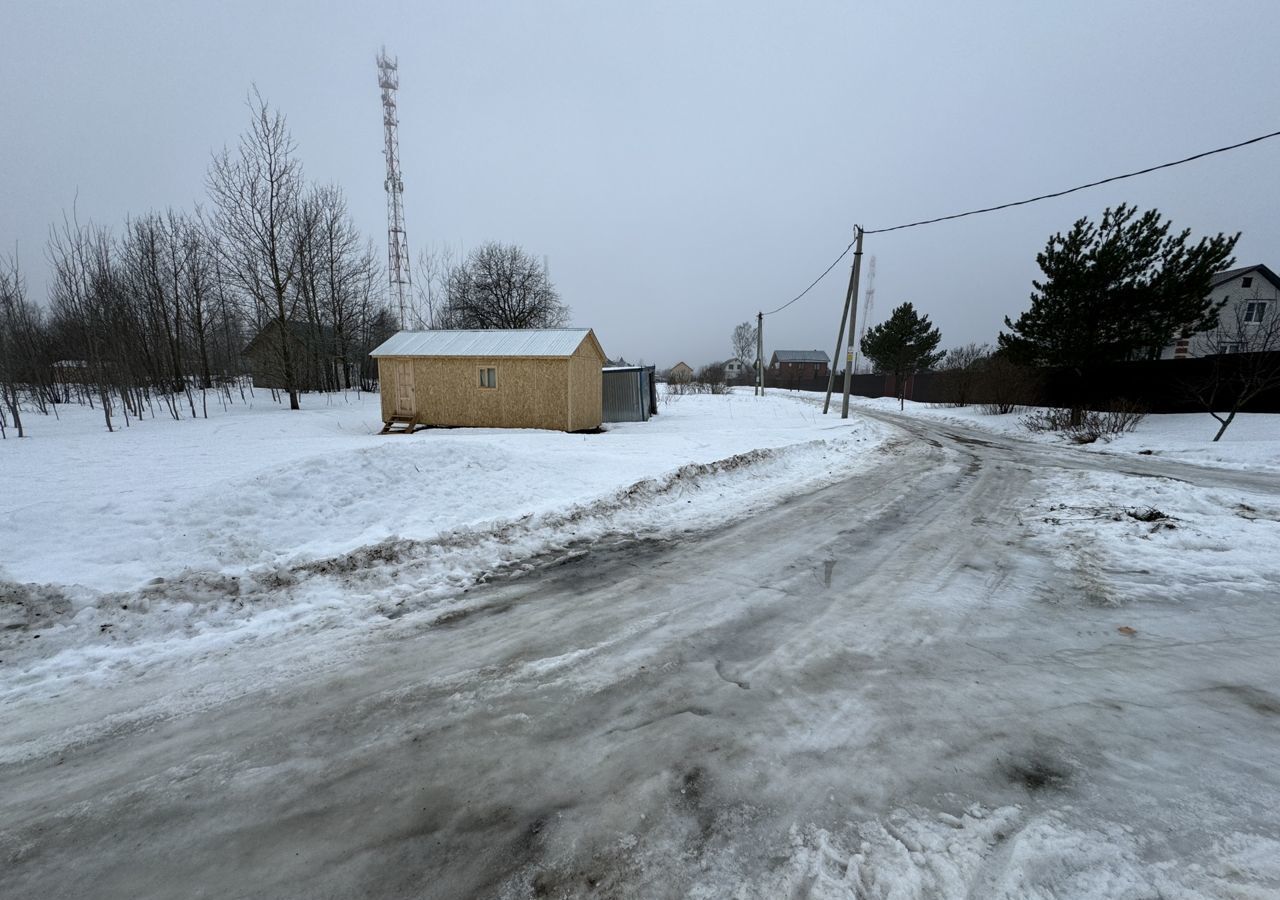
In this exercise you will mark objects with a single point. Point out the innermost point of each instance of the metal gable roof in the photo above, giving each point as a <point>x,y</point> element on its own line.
<point>551,342</point>
<point>802,356</point>
<point>1230,274</point>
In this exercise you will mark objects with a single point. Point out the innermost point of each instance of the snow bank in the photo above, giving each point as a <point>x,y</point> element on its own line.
<point>177,537</point>
<point>1251,443</point>
<point>1127,537</point>
<point>257,487</point>
<point>1008,853</point>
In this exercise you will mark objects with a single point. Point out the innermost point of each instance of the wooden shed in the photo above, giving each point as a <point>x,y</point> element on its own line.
<point>531,378</point>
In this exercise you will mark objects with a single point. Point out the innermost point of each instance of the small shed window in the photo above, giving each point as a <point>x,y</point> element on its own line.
<point>1247,281</point>
<point>488,377</point>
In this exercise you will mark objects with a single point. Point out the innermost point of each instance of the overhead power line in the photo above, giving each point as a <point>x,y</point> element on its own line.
<point>814,284</point>
<point>1081,187</point>
<point>987,209</point>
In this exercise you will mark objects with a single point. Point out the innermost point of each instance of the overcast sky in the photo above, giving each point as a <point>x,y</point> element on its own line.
<point>681,165</point>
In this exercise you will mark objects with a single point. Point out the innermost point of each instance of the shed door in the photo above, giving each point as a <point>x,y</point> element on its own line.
<point>404,389</point>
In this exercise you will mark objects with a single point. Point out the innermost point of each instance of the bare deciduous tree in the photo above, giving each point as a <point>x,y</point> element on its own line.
<point>19,331</point>
<point>1004,386</point>
<point>743,342</point>
<point>501,286</point>
<point>257,192</point>
<point>86,294</point>
<point>166,308</point>
<point>1245,353</point>
<point>336,279</point>
<point>431,287</point>
<point>959,371</point>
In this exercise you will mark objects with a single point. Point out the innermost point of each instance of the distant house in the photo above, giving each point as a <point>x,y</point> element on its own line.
<point>799,365</point>
<point>1251,295</point>
<point>680,372</point>
<point>736,370</point>
<point>312,356</point>
<point>532,378</point>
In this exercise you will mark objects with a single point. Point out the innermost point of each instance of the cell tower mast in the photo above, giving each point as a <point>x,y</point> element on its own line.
<point>397,241</point>
<point>870,300</point>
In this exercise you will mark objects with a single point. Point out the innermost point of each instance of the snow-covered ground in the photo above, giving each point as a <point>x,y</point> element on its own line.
<point>183,532</point>
<point>260,487</point>
<point>980,667</point>
<point>1251,443</point>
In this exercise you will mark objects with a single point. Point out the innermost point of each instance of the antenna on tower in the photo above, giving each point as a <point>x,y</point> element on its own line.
<point>868,301</point>
<point>397,241</point>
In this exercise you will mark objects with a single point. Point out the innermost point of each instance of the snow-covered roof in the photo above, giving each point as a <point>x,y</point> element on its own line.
<point>492,342</point>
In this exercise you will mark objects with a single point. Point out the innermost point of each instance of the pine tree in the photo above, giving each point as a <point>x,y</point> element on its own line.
<point>904,344</point>
<point>1122,289</point>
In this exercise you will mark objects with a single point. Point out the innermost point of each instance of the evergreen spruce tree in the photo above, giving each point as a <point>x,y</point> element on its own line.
<point>904,344</point>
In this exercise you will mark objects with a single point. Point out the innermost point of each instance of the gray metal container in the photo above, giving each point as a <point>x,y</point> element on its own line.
<point>626,393</point>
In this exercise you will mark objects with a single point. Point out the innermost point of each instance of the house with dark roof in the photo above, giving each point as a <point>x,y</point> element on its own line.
<point>799,365</point>
<point>312,354</point>
<point>1250,295</point>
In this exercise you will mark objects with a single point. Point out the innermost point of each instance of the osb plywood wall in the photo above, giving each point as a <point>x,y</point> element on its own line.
<point>530,393</point>
<point>585,391</point>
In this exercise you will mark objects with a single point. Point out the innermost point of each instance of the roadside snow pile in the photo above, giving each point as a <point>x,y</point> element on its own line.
<point>263,487</point>
<point>1007,854</point>
<point>257,522</point>
<point>1002,853</point>
<point>1125,538</point>
<point>1251,443</point>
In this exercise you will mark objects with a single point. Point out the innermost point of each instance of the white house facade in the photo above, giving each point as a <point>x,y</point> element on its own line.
<point>1252,298</point>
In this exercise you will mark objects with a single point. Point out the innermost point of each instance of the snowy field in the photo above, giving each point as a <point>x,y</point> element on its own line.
<point>218,521</point>
<point>1251,443</point>
<point>255,488</point>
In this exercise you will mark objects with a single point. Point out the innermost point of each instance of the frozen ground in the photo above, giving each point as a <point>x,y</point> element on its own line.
<point>1252,441</point>
<point>955,666</point>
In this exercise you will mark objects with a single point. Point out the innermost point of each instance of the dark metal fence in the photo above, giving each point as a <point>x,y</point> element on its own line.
<point>1158,386</point>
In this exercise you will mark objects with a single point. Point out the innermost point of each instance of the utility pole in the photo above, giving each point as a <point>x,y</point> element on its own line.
<point>760,354</point>
<point>850,296</point>
<point>853,316</point>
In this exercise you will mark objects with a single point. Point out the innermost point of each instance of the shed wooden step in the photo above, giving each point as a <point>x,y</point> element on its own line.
<point>400,425</point>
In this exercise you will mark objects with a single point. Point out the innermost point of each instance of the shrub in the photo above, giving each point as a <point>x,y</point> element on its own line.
<point>1004,386</point>
<point>1084,426</point>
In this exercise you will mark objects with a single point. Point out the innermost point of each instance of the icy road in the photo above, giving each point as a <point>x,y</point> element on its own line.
<point>963,672</point>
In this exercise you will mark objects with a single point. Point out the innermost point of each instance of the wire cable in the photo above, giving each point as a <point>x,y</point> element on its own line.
<point>987,209</point>
<point>816,280</point>
<point>1168,165</point>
